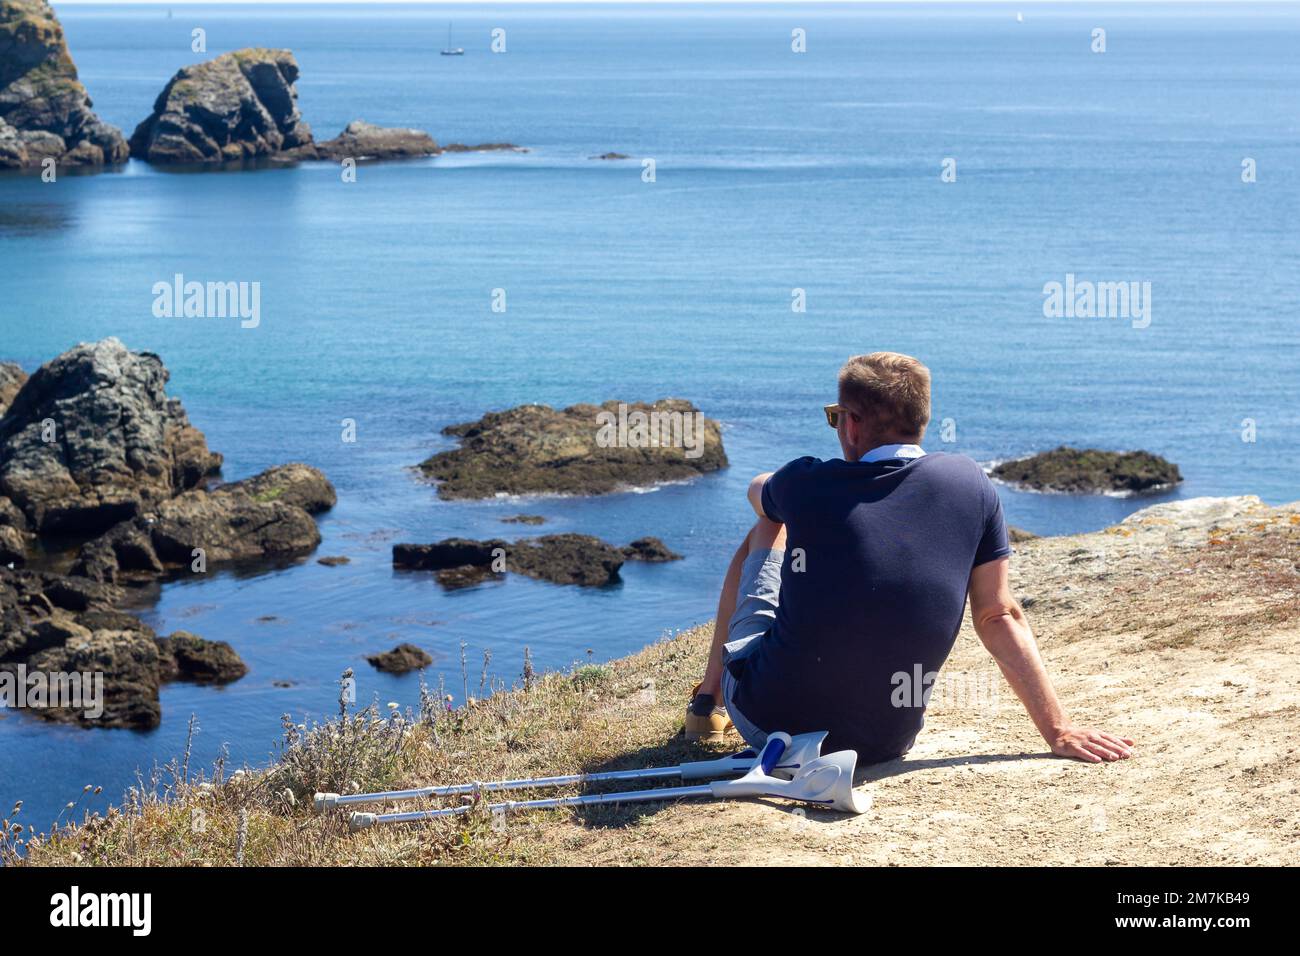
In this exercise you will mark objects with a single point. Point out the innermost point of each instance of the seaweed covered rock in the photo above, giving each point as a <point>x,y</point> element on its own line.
<point>1089,470</point>
<point>582,449</point>
<point>45,112</point>
<point>92,439</point>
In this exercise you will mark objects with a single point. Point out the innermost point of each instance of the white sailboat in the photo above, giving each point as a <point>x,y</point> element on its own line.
<point>452,50</point>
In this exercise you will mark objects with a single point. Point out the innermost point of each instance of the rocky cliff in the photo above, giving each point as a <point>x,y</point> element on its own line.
<point>45,112</point>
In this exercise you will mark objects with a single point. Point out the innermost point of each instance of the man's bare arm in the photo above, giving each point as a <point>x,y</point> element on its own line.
<point>756,493</point>
<point>1001,624</point>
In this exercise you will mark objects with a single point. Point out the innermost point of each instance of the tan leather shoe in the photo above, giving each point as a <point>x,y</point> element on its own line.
<point>706,719</point>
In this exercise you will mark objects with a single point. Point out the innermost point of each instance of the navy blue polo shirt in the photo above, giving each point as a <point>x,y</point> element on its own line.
<point>873,583</point>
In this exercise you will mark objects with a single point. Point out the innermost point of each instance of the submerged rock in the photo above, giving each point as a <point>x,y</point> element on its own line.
<point>239,106</point>
<point>559,558</point>
<point>1090,471</point>
<point>482,148</point>
<point>92,439</point>
<point>45,112</point>
<point>583,449</point>
<point>651,550</point>
<point>524,519</point>
<point>401,659</point>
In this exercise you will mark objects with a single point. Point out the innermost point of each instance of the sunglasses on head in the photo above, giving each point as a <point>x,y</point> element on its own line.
<point>833,413</point>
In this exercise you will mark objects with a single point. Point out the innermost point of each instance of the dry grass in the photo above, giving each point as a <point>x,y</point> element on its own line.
<point>607,717</point>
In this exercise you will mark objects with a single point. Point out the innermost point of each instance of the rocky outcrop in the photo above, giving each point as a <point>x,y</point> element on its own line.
<point>1087,471</point>
<point>92,439</point>
<point>56,625</point>
<point>612,156</point>
<point>239,106</point>
<point>362,140</point>
<point>12,378</point>
<point>228,526</point>
<point>583,449</point>
<point>187,657</point>
<point>559,558</point>
<point>243,106</point>
<point>401,659</point>
<point>45,112</point>
<point>651,550</point>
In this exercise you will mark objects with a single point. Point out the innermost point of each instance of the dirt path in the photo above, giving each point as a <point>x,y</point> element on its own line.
<point>1177,629</point>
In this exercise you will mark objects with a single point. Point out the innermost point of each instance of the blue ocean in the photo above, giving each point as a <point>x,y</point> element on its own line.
<point>774,171</point>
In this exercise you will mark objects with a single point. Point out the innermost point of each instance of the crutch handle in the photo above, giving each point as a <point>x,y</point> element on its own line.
<point>772,752</point>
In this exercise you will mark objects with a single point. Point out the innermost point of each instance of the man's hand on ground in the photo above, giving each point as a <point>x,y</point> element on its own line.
<point>1090,745</point>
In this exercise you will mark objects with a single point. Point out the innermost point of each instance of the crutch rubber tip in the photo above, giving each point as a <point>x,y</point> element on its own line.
<point>325,801</point>
<point>359,821</point>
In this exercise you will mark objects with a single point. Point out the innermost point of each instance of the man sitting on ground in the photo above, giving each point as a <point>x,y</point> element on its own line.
<point>854,579</point>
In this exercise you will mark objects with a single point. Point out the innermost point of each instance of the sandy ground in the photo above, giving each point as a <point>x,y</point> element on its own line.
<point>1177,628</point>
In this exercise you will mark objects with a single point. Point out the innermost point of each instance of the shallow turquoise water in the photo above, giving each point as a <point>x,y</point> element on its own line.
<point>775,171</point>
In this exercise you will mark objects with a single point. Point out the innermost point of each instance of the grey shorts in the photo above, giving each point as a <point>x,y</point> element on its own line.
<point>756,601</point>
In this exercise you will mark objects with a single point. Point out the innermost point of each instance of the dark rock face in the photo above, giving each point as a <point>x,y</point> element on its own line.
<point>12,378</point>
<point>559,558</point>
<point>91,445</point>
<point>51,624</point>
<point>188,657</point>
<point>583,449</point>
<point>362,140</point>
<point>1090,471</point>
<point>650,549</point>
<point>401,659</point>
<point>239,106</point>
<point>44,110</point>
<point>228,525</point>
<point>92,439</point>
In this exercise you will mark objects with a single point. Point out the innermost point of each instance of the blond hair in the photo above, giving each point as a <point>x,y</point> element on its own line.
<point>889,390</point>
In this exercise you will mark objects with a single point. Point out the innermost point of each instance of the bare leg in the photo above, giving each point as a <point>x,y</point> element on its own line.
<point>766,535</point>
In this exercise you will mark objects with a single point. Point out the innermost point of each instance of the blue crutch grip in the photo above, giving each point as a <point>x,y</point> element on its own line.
<point>771,756</point>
